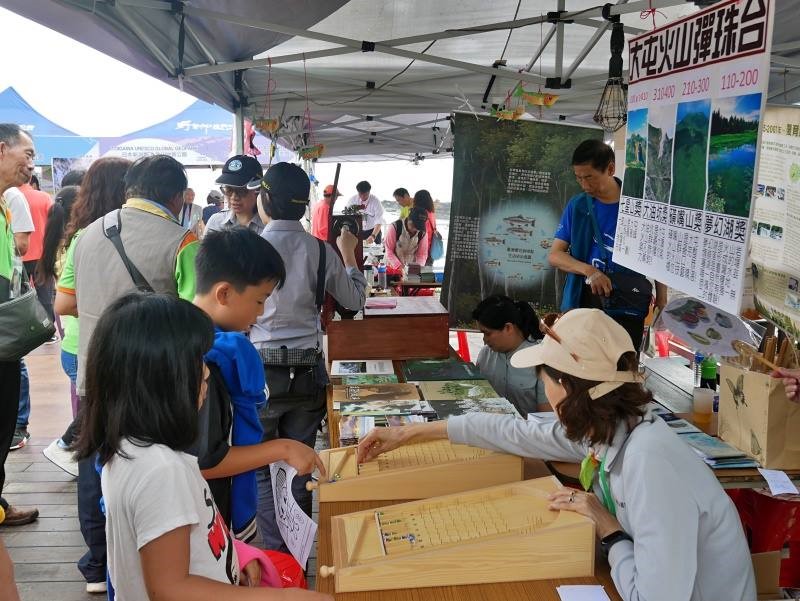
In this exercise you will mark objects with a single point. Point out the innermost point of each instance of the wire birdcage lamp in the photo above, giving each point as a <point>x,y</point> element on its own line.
<point>612,112</point>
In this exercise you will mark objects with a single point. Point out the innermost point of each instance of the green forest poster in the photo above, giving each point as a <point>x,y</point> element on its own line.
<point>511,182</point>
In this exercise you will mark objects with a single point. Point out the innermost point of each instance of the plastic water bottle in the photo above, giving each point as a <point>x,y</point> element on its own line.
<point>381,276</point>
<point>698,374</point>
<point>368,274</point>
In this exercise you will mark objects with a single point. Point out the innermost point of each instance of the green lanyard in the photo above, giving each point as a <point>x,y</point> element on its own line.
<point>589,467</point>
<point>605,488</point>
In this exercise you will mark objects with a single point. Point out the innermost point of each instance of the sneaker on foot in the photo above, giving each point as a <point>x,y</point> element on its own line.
<point>61,457</point>
<point>96,588</point>
<point>19,517</point>
<point>53,339</point>
<point>21,436</point>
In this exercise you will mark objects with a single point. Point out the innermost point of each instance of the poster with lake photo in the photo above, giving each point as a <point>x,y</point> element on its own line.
<point>696,96</point>
<point>511,182</point>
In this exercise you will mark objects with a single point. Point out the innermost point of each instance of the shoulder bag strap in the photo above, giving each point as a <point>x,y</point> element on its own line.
<point>321,275</point>
<point>597,234</point>
<point>112,232</point>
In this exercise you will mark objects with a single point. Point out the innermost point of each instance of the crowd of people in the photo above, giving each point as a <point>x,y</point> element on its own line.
<point>191,337</point>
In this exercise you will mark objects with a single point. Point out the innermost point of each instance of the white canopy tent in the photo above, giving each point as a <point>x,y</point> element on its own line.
<point>379,78</point>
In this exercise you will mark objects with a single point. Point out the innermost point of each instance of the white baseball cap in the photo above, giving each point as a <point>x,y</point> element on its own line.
<point>587,344</point>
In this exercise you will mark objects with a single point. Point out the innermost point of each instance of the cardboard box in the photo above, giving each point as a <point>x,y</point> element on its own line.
<point>767,567</point>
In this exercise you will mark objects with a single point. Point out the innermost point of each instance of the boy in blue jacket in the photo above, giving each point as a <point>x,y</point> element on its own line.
<point>236,271</point>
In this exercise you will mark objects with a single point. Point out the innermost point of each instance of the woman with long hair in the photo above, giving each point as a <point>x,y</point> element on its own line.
<point>102,191</point>
<point>509,326</point>
<point>424,200</point>
<point>48,268</point>
<point>657,508</point>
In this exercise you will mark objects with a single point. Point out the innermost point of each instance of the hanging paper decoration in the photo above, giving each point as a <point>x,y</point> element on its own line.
<point>267,127</point>
<point>504,114</point>
<point>535,98</point>
<point>267,124</point>
<point>312,152</point>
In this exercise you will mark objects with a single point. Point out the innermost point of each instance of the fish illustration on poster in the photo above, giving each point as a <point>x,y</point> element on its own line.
<point>511,183</point>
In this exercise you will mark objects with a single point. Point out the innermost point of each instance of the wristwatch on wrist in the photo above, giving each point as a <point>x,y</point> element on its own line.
<point>609,541</point>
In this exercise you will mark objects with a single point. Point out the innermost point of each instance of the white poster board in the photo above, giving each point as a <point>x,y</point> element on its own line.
<point>696,96</point>
<point>775,234</point>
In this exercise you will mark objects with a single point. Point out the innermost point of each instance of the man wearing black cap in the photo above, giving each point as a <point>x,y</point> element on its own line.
<point>239,183</point>
<point>288,334</point>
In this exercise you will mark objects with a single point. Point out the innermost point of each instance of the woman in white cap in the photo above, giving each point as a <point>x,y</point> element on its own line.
<point>669,529</point>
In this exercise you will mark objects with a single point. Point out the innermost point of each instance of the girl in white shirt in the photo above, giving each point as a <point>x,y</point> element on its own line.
<point>145,383</point>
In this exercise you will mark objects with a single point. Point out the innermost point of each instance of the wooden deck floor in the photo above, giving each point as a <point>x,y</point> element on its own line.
<point>45,552</point>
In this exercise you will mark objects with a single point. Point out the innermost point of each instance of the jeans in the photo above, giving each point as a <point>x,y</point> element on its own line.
<point>9,403</point>
<point>69,363</point>
<point>93,523</point>
<point>299,420</point>
<point>24,409</point>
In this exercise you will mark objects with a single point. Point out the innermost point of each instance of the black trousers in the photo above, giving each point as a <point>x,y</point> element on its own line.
<point>634,325</point>
<point>9,403</point>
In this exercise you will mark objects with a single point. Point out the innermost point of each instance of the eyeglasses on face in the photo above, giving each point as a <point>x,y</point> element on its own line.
<point>234,191</point>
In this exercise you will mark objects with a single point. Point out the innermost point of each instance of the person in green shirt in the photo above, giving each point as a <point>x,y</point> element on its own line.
<point>405,201</point>
<point>17,154</point>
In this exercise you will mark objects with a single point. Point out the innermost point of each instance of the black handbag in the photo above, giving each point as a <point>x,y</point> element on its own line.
<point>631,292</point>
<point>24,324</point>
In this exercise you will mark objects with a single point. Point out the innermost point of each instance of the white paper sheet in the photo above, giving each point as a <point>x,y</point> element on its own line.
<point>582,592</point>
<point>297,529</point>
<point>779,483</point>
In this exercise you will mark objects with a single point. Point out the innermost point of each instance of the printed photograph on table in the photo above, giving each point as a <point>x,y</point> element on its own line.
<point>369,379</point>
<point>454,390</point>
<point>732,154</point>
<point>375,392</point>
<point>691,153</point>
<point>440,369</point>
<point>660,137</point>
<point>372,407</point>
<point>636,145</point>
<point>445,409</point>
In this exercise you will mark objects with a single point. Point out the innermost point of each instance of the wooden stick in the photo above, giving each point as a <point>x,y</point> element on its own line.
<point>340,465</point>
<point>769,349</point>
<point>781,360</point>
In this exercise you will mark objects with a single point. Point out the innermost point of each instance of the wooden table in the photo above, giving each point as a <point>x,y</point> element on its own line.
<point>538,590</point>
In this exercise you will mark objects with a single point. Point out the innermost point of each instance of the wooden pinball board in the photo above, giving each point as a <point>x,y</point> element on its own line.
<point>499,534</point>
<point>415,471</point>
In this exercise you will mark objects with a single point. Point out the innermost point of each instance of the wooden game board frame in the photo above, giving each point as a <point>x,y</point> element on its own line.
<point>564,548</point>
<point>417,482</point>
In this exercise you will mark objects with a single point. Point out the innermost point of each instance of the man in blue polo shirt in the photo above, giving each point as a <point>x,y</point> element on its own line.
<point>587,260</point>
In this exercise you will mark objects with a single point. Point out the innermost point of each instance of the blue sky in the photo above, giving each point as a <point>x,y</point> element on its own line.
<point>698,106</point>
<point>637,122</point>
<point>746,107</point>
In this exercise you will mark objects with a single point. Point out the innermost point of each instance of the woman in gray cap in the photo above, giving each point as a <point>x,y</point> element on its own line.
<point>669,529</point>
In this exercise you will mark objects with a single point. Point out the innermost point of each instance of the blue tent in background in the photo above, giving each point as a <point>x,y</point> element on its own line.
<point>52,140</point>
<point>200,135</point>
